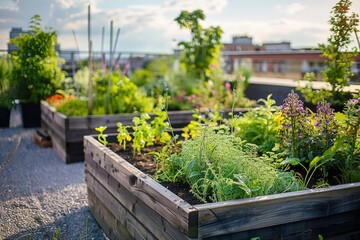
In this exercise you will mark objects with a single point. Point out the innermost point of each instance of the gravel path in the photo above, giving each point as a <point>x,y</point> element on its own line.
<point>40,195</point>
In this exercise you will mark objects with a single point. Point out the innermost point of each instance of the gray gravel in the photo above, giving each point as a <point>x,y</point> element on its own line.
<point>40,195</point>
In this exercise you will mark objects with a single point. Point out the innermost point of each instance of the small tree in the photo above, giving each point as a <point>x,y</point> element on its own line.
<point>36,73</point>
<point>204,47</point>
<point>339,57</point>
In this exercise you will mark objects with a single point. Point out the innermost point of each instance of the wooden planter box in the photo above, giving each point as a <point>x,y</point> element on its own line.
<point>128,204</point>
<point>67,132</point>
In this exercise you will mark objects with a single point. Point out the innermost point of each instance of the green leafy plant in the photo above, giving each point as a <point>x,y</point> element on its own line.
<point>315,163</point>
<point>154,73</point>
<point>123,134</point>
<point>37,73</point>
<point>143,135</point>
<point>160,125</point>
<point>78,84</point>
<point>211,118</point>
<point>125,95</point>
<point>101,136</point>
<point>6,98</point>
<point>259,125</point>
<point>223,159</point>
<point>73,107</point>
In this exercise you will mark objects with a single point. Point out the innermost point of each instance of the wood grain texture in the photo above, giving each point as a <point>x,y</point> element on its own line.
<point>273,210</point>
<point>332,212</point>
<point>106,219</point>
<point>133,214</point>
<point>107,167</point>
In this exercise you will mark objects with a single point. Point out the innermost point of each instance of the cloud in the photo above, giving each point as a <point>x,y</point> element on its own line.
<point>66,4</point>
<point>278,30</point>
<point>206,5</point>
<point>290,9</point>
<point>10,5</point>
<point>150,26</point>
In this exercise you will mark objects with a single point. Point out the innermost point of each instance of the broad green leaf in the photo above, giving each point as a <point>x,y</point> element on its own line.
<point>328,154</point>
<point>101,129</point>
<point>291,161</point>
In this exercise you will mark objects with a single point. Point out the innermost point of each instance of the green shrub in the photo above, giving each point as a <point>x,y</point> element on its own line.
<point>37,73</point>
<point>125,97</point>
<point>5,82</point>
<point>259,125</point>
<point>74,107</point>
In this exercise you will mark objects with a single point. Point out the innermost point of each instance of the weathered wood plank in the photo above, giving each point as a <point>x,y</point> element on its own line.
<point>123,216</point>
<point>136,211</point>
<point>339,227</point>
<point>50,115</point>
<point>261,212</point>
<point>106,219</point>
<point>99,180</point>
<point>169,205</point>
<point>68,152</point>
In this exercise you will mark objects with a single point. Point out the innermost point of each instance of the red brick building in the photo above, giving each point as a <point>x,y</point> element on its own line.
<point>275,59</point>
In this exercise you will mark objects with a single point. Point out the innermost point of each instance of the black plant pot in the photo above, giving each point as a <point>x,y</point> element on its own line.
<point>31,115</point>
<point>4,117</point>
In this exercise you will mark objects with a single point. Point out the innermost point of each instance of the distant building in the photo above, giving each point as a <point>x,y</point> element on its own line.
<point>278,60</point>
<point>241,43</point>
<point>13,34</point>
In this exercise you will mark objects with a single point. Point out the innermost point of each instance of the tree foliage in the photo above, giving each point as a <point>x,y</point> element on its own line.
<point>37,73</point>
<point>339,56</point>
<point>204,47</point>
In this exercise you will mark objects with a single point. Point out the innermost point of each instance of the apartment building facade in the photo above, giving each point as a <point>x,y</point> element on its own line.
<point>277,60</point>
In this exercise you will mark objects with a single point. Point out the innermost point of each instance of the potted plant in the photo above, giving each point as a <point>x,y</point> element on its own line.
<point>277,187</point>
<point>6,101</point>
<point>37,73</point>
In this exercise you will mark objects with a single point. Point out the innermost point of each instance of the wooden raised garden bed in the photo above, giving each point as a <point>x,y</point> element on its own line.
<point>129,204</point>
<point>67,132</point>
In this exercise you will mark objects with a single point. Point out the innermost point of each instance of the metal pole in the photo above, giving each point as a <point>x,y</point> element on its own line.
<point>116,39</point>
<point>90,103</point>
<point>102,39</point>
<point>111,67</point>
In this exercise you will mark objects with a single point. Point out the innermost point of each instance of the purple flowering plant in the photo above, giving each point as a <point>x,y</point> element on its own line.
<point>295,125</point>
<point>325,127</point>
<point>310,139</point>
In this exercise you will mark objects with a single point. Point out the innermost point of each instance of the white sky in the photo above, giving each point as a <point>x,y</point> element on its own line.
<point>149,26</point>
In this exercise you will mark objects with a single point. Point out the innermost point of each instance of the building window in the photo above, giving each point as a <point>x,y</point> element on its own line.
<point>282,67</point>
<point>275,66</point>
<point>264,66</point>
<point>257,66</point>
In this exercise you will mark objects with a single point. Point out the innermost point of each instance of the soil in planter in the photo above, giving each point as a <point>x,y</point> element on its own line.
<point>145,163</point>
